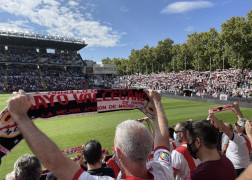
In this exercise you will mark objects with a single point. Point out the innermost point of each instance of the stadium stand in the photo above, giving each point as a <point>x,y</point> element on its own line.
<point>26,64</point>
<point>235,83</point>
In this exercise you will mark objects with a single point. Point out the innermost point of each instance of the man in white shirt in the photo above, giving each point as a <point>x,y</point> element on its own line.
<point>182,161</point>
<point>239,147</point>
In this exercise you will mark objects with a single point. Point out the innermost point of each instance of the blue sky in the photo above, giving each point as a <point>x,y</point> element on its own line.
<point>112,28</point>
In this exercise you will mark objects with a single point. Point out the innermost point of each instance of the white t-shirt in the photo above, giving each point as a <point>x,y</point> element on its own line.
<point>238,152</point>
<point>183,162</point>
<point>224,140</point>
<point>160,168</point>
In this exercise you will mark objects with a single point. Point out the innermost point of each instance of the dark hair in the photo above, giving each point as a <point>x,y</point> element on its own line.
<point>171,131</point>
<point>92,152</point>
<point>182,126</point>
<point>205,131</point>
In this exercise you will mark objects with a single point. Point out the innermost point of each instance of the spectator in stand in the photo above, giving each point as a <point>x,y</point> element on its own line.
<point>27,167</point>
<point>182,161</point>
<point>239,147</point>
<point>232,82</point>
<point>174,143</point>
<point>177,139</point>
<point>202,141</point>
<point>92,152</point>
<point>133,144</point>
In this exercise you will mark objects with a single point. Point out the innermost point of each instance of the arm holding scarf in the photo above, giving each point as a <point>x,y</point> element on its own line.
<point>161,129</point>
<point>221,125</point>
<point>46,150</point>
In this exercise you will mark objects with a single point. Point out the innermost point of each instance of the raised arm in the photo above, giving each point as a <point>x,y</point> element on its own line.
<point>46,150</point>
<point>238,110</point>
<point>222,127</point>
<point>147,120</point>
<point>248,128</point>
<point>161,129</point>
<point>247,174</point>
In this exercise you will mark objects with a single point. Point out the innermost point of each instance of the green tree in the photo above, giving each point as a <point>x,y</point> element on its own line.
<point>107,60</point>
<point>164,54</point>
<point>235,33</point>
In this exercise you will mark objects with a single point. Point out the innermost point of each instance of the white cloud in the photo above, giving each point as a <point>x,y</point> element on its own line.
<point>73,3</point>
<point>189,28</point>
<point>185,6</point>
<point>124,9</point>
<point>226,2</point>
<point>62,20</point>
<point>15,26</point>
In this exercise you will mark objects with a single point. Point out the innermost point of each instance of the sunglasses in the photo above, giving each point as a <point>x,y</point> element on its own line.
<point>237,125</point>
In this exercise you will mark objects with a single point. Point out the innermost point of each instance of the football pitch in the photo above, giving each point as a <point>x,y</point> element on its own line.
<point>75,131</point>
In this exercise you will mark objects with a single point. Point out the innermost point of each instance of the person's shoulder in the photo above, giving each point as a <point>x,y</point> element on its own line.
<point>161,149</point>
<point>104,171</point>
<point>107,169</point>
<point>182,148</point>
<point>226,161</point>
<point>98,171</point>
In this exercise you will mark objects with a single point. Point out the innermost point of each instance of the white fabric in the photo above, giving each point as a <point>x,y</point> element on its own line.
<point>224,140</point>
<point>180,163</point>
<point>160,167</point>
<point>237,152</point>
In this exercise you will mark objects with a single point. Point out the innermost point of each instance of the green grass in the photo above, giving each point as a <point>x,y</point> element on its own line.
<point>74,131</point>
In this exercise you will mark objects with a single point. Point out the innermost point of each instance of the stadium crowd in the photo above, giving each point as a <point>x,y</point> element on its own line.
<point>232,82</point>
<point>190,151</point>
<point>62,71</point>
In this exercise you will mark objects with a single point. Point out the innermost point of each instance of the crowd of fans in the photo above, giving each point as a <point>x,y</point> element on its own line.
<point>232,82</point>
<point>20,55</point>
<point>29,55</point>
<point>55,78</point>
<point>55,75</point>
<point>190,151</point>
<point>26,68</point>
<point>1,54</point>
<point>18,76</point>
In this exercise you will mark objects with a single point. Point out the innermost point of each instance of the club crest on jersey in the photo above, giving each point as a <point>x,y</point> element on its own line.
<point>165,157</point>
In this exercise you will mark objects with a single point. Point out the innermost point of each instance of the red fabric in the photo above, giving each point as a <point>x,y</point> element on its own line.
<point>248,144</point>
<point>112,163</point>
<point>161,147</point>
<point>174,145</point>
<point>183,150</point>
<point>77,174</point>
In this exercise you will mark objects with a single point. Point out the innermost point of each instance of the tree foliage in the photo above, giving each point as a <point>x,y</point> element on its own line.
<point>205,51</point>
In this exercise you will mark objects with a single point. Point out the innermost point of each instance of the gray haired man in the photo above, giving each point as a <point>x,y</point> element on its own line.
<point>27,167</point>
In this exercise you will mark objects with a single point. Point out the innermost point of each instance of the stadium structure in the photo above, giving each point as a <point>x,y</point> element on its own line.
<point>36,62</point>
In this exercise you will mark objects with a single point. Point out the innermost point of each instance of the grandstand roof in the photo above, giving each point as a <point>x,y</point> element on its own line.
<point>41,42</point>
